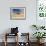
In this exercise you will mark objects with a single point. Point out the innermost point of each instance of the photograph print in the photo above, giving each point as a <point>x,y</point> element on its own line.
<point>17,13</point>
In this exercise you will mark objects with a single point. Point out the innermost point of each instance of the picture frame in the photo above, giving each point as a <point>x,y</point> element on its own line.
<point>17,13</point>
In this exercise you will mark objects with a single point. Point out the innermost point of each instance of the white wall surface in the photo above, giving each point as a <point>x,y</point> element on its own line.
<point>24,25</point>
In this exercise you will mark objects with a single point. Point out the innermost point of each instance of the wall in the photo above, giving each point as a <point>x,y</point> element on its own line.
<point>24,25</point>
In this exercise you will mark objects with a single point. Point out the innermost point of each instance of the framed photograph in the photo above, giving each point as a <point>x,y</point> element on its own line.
<point>17,13</point>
